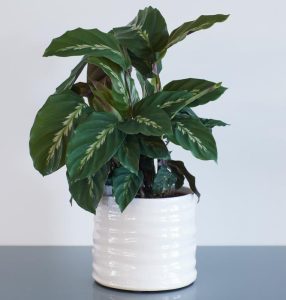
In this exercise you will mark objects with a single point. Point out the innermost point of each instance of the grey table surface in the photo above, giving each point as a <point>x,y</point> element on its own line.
<point>52,273</point>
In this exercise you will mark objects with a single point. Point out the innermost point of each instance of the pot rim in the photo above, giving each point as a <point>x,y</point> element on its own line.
<point>184,190</point>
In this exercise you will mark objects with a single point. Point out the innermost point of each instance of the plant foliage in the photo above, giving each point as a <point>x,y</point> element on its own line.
<point>108,133</point>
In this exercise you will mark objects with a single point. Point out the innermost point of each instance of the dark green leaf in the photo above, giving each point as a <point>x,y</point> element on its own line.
<point>145,35</point>
<point>93,144</point>
<point>174,101</point>
<point>125,186</point>
<point>187,111</point>
<point>180,178</point>
<point>153,147</point>
<point>147,121</point>
<point>129,153</point>
<point>123,87</point>
<point>179,167</point>
<point>106,100</point>
<point>114,72</point>
<point>146,86</point>
<point>51,130</point>
<point>203,22</point>
<point>87,42</point>
<point>164,181</point>
<point>196,87</point>
<point>147,166</point>
<point>191,134</point>
<point>170,102</point>
<point>144,66</point>
<point>88,192</point>
<point>68,83</point>
<point>210,123</point>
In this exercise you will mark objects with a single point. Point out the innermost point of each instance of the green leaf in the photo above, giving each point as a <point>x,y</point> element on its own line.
<point>125,186</point>
<point>164,181</point>
<point>203,22</point>
<point>106,100</point>
<point>153,147</point>
<point>148,121</point>
<point>51,130</point>
<point>129,153</point>
<point>87,42</point>
<point>179,167</point>
<point>180,178</point>
<point>93,144</point>
<point>191,134</point>
<point>146,86</point>
<point>114,72</point>
<point>68,83</point>
<point>170,102</point>
<point>95,74</point>
<point>173,101</point>
<point>197,87</point>
<point>143,65</point>
<point>145,35</point>
<point>210,123</point>
<point>123,87</point>
<point>88,192</point>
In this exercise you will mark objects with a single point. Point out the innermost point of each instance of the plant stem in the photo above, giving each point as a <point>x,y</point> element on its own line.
<point>130,104</point>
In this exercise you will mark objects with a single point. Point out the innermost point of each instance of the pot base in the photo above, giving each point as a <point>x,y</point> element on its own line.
<point>139,288</point>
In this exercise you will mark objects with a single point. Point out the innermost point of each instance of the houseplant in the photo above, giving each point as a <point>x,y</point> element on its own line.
<point>113,142</point>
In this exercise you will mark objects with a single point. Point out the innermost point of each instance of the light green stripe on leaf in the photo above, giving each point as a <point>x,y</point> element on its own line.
<point>93,144</point>
<point>52,128</point>
<point>191,134</point>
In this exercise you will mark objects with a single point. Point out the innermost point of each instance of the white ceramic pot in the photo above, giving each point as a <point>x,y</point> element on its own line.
<point>151,246</point>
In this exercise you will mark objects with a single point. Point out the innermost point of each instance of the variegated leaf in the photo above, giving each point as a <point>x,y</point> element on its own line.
<point>88,192</point>
<point>125,186</point>
<point>51,130</point>
<point>87,42</point>
<point>146,86</point>
<point>129,154</point>
<point>153,121</point>
<point>211,123</point>
<point>203,22</point>
<point>173,101</point>
<point>114,72</point>
<point>145,35</point>
<point>197,88</point>
<point>93,144</point>
<point>105,100</point>
<point>123,86</point>
<point>168,101</point>
<point>164,181</point>
<point>192,135</point>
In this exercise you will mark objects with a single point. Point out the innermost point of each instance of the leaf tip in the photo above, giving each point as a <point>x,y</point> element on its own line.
<point>46,53</point>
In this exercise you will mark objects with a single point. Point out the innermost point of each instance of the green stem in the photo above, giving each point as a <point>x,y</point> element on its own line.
<point>158,83</point>
<point>130,104</point>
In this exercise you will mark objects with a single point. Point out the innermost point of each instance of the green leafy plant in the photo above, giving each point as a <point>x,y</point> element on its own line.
<point>108,134</point>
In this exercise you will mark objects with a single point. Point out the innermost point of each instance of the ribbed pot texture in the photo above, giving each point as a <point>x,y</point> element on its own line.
<point>151,246</point>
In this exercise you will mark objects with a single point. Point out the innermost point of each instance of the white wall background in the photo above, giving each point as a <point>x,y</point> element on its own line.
<point>243,200</point>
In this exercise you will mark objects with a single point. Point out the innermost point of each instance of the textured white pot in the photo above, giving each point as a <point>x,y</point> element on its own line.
<point>151,246</point>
